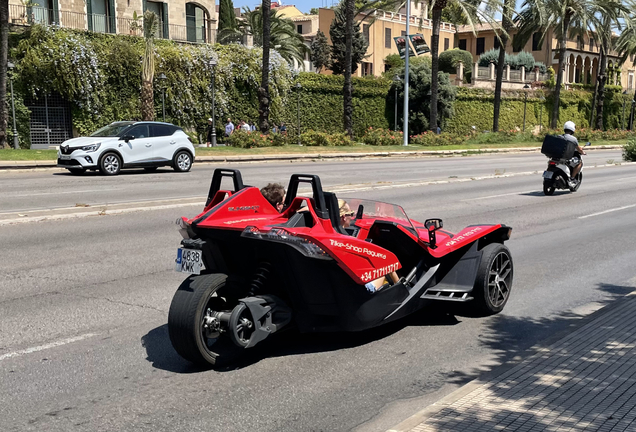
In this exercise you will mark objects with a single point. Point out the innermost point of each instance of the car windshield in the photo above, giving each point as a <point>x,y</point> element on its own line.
<point>112,130</point>
<point>378,209</point>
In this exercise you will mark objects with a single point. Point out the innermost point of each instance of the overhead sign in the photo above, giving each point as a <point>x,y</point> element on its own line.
<point>400,42</point>
<point>419,44</point>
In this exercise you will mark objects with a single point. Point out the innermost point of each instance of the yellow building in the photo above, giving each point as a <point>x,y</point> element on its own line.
<point>581,58</point>
<point>380,29</point>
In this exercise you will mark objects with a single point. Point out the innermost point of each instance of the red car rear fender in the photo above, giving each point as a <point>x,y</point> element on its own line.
<point>447,244</point>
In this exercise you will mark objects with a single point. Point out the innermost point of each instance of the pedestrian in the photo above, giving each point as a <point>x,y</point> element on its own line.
<point>438,130</point>
<point>275,128</point>
<point>229,128</point>
<point>244,126</point>
<point>252,126</point>
<point>283,128</point>
<point>210,131</point>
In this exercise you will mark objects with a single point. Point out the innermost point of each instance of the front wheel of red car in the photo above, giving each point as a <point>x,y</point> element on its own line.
<point>193,325</point>
<point>494,279</point>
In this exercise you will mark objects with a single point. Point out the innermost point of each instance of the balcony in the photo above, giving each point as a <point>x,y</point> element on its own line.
<point>29,15</point>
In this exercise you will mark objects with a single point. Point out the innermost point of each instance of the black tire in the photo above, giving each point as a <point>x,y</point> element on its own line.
<point>579,179</point>
<point>151,169</point>
<point>182,161</point>
<point>548,187</point>
<point>110,164</point>
<point>77,171</point>
<point>494,279</point>
<point>185,321</point>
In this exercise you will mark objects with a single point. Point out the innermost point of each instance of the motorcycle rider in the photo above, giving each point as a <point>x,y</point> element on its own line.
<point>575,163</point>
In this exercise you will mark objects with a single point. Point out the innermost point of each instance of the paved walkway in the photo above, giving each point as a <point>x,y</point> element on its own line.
<point>584,382</point>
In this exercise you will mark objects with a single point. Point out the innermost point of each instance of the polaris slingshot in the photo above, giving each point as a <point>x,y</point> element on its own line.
<point>255,271</point>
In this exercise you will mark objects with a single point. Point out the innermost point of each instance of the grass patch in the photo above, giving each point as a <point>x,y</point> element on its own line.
<point>23,155</point>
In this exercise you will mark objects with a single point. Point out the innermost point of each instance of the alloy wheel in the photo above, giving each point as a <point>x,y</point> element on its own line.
<point>499,279</point>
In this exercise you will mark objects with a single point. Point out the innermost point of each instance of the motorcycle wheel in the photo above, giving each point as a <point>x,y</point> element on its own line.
<point>494,279</point>
<point>548,187</point>
<point>579,179</point>
<point>196,298</point>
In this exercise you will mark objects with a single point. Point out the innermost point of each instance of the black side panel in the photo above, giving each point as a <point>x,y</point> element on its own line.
<point>458,270</point>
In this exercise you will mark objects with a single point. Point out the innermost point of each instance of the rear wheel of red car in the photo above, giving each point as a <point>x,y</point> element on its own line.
<point>191,321</point>
<point>494,279</point>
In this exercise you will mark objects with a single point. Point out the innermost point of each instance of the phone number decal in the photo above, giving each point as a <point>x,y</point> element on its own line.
<point>376,273</point>
<point>357,249</point>
<point>460,238</point>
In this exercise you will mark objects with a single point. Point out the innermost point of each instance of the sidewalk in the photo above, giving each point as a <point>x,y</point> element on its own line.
<point>584,382</point>
<point>314,156</point>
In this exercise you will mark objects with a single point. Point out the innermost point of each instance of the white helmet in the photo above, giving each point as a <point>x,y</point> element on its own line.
<point>569,126</point>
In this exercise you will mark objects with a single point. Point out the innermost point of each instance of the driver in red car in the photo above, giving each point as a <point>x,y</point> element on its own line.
<point>385,281</point>
<point>275,194</point>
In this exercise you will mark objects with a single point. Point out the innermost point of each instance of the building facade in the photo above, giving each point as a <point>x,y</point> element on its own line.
<point>581,57</point>
<point>180,20</point>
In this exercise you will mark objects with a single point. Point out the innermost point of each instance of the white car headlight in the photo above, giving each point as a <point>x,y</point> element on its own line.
<point>91,148</point>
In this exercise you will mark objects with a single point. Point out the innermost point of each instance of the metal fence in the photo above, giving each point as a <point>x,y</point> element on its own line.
<point>29,15</point>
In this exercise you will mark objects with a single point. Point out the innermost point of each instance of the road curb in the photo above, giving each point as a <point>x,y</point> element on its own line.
<point>419,417</point>
<point>316,156</point>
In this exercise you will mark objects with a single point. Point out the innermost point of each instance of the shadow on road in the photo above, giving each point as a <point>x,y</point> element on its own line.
<point>162,356</point>
<point>503,339</point>
<point>125,172</point>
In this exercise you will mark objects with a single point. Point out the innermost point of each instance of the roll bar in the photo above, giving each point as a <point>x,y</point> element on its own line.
<point>316,186</point>
<point>219,173</point>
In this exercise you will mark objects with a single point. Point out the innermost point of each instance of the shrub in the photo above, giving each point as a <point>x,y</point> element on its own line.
<point>629,150</point>
<point>542,67</point>
<point>244,139</point>
<point>340,139</point>
<point>382,137</point>
<point>431,139</point>
<point>313,138</point>
<point>520,59</point>
<point>491,56</point>
<point>449,59</point>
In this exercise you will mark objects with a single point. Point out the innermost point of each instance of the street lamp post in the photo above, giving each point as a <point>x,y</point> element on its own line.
<point>298,88</point>
<point>162,77</point>
<point>623,119</point>
<point>213,67</point>
<point>405,129</point>
<point>525,101</point>
<point>396,81</point>
<point>16,142</point>
<point>542,99</point>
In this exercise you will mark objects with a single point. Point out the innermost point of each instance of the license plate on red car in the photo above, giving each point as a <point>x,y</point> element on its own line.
<point>189,261</point>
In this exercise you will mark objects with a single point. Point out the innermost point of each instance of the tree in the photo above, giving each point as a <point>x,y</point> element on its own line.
<point>359,44</point>
<point>227,17</point>
<point>313,11</point>
<point>320,52</point>
<point>506,25</point>
<point>4,49</point>
<point>148,67</point>
<point>282,34</point>
<point>263,91</point>
<point>566,18</point>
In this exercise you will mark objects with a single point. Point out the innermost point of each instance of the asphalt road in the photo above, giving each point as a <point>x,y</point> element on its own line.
<point>83,302</point>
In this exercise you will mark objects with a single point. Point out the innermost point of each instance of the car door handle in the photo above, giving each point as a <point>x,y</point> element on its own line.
<point>148,145</point>
<point>173,142</point>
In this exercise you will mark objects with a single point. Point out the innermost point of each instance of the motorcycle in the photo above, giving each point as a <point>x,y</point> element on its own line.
<point>558,175</point>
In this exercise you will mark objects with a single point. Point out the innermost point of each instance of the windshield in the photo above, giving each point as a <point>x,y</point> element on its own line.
<point>112,130</point>
<point>382,210</point>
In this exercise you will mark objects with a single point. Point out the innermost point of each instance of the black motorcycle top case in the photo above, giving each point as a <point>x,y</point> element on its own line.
<point>556,146</point>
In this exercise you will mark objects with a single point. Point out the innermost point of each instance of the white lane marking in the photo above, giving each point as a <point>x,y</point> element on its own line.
<point>96,213</point>
<point>47,346</point>
<point>500,195</point>
<point>66,192</point>
<point>607,211</point>
<point>626,178</point>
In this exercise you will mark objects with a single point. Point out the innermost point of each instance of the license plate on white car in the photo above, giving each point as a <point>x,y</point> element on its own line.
<point>189,261</point>
<point>548,174</point>
<point>65,157</point>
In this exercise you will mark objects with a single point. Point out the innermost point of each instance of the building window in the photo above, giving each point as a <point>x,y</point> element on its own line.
<point>497,43</point>
<point>446,43</point>
<point>196,23</point>
<point>481,46</point>
<point>536,39</point>
<point>367,68</point>
<point>299,28</point>
<point>387,38</point>
<point>630,81</point>
<point>462,44</point>
<point>579,43</point>
<point>365,31</point>
<point>592,43</point>
<point>101,15</point>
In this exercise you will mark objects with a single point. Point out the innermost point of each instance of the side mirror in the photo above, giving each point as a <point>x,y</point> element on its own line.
<point>588,144</point>
<point>127,138</point>
<point>433,225</point>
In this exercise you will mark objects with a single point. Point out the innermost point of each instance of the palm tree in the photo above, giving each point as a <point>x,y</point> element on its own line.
<point>263,91</point>
<point>148,67</point>
<point>4,49</point>
<point>506,25</point>
<point>347,91</point>
<point>283,35</point>
<point>563,17</point>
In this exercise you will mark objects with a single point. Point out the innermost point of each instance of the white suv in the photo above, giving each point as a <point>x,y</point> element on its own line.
<point>130,144</point>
